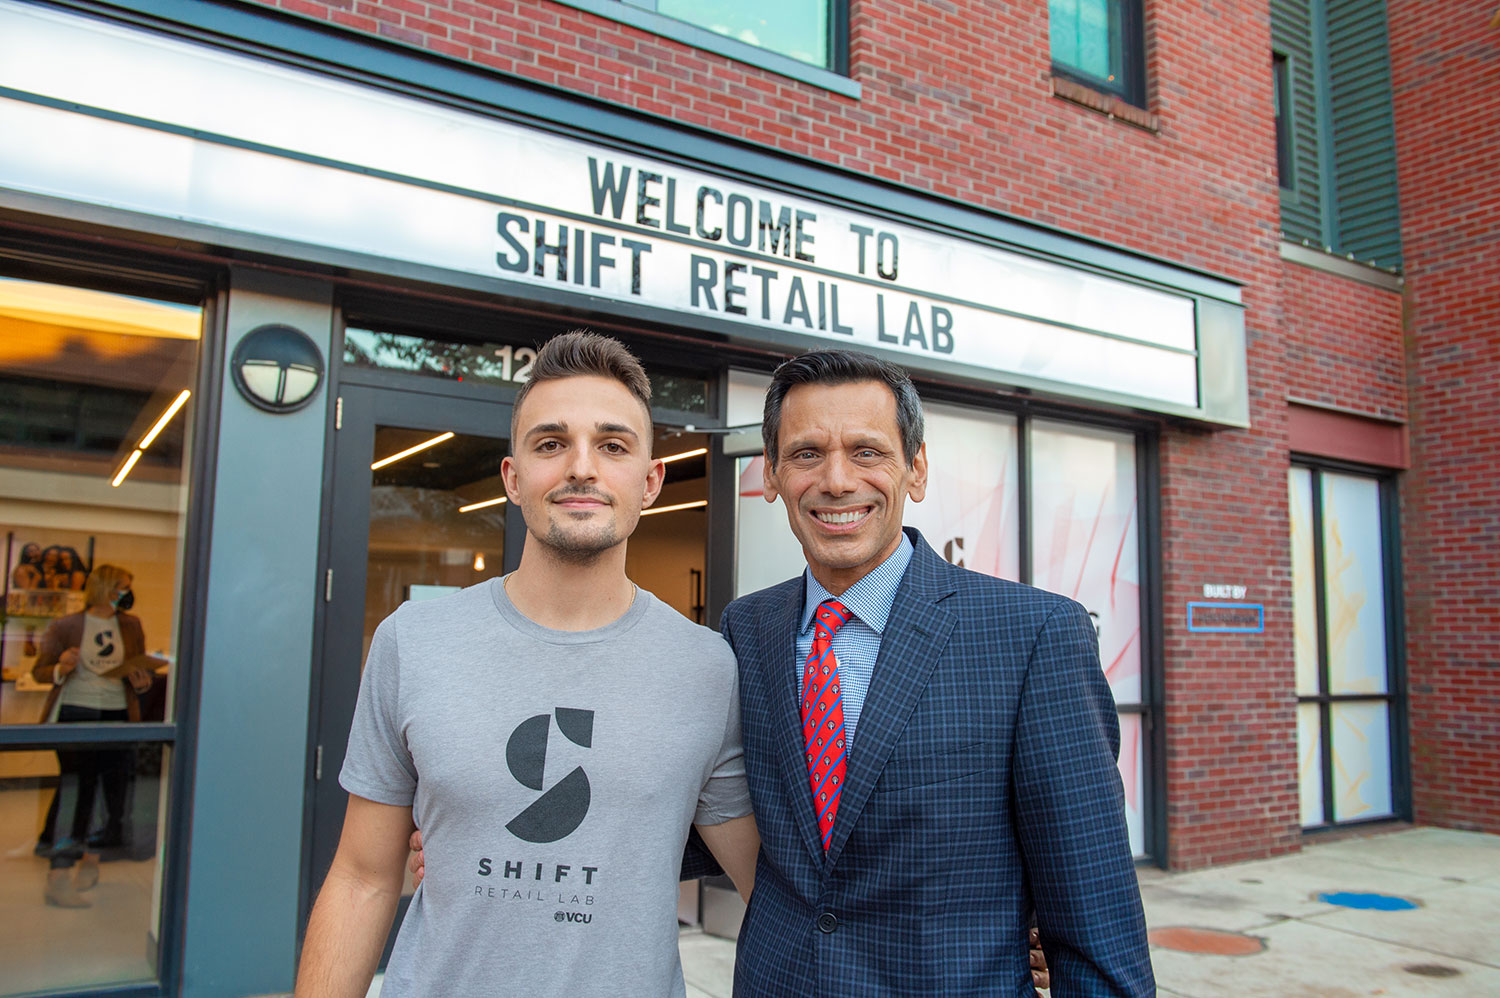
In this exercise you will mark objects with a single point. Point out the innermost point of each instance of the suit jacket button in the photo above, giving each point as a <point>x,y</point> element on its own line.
<point>827,922</point>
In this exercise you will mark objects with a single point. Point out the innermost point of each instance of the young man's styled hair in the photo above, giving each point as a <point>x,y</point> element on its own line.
<point>580,353</point>
<point>843,367</point>
<point>102,583</point>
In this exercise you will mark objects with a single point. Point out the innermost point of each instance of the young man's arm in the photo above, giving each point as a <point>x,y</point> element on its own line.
<point>735,844</point>
<point>353,914</point>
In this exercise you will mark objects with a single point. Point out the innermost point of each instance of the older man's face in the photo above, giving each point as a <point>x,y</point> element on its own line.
<point>844,480</point>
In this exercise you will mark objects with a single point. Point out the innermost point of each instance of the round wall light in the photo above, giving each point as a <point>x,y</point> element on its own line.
<point>277,368</point>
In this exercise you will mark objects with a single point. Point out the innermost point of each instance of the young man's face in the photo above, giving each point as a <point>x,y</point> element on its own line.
<point>580,467</point>
<point>842,475</point>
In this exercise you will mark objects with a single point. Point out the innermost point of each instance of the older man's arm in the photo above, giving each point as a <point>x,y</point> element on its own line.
<point>734,844</point>
<point>1070,816</point>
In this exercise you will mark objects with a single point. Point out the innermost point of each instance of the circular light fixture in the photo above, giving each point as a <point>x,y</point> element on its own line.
<point>277,368</point>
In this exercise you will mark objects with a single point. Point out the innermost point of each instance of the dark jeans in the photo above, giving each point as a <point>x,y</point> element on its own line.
<point>83,773</point>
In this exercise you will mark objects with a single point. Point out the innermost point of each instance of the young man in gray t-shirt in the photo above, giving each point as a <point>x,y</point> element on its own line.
<point>554,734</point>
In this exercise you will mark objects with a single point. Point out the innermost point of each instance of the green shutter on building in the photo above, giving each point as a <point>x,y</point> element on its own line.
<point>1301,193</point>
<point>1342,192</point>
<point>1367,221</point>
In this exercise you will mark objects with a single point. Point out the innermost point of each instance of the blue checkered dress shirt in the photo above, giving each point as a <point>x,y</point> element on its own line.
<point>857,644</point>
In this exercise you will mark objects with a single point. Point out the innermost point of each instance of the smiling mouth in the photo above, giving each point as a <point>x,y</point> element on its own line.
<point>841,517</point>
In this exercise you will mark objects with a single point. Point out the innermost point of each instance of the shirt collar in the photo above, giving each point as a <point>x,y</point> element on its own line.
<point>870,598</point>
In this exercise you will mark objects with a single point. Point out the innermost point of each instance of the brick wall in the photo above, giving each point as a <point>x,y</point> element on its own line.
<point>1345,346</point>
<point>1448,162</point>
<point>958,101</point>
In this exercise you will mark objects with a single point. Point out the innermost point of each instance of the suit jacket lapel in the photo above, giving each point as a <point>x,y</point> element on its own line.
<point>914,637</point>
<point>786,713</point>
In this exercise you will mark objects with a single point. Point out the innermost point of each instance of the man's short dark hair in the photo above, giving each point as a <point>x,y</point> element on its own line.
<point>580,353</point>
<point>843,367</point>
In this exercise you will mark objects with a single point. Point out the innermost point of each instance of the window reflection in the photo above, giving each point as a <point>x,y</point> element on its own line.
<point>503,364</point>
<point>795,29</point>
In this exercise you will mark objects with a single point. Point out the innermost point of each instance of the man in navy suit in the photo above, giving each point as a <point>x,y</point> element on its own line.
<point>958,727</point>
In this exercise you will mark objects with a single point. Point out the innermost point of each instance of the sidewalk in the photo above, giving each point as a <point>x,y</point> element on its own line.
<point>1410,913</point>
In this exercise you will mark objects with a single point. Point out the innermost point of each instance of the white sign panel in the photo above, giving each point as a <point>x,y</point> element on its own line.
<point>115,117</point>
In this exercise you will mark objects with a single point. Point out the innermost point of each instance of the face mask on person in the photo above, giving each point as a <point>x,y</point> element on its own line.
<point>125,600</point>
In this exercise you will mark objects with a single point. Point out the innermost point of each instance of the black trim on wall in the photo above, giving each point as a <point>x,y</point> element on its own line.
<point>1153,667</point>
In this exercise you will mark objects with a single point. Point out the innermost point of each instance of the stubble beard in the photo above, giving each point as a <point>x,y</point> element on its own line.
<point>580,550</point>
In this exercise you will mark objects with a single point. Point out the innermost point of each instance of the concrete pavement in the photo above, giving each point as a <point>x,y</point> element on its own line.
<point>1414,912</point>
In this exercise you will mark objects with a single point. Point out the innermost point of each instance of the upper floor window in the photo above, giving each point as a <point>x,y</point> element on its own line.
<point>806,40</point>
<point>1100,43</point>
<point>798,29</point>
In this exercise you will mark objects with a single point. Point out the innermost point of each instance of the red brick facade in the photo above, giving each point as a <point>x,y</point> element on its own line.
<point>1344,346</point>
<point>958,100</point>
<point>1449,169</point>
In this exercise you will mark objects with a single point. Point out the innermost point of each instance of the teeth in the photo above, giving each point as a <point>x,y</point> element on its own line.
<point>841,517</point>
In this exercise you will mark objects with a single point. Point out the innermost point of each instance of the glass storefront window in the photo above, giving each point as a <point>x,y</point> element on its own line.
<point>96,400</point>
<point>81,906</point>
<point>971,515</point>
<point>1084,545</point>
<point>437,517</point>
<point>95,407</point>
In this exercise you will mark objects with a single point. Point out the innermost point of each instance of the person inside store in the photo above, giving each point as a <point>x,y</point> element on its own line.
<point>27,574</point>
<point>81,656</point>
<point>555,732</point>
<point>68,572</point>
<point>28,571</point>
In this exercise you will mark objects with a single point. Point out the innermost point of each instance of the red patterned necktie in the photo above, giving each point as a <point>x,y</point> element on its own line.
<point>823,717</point>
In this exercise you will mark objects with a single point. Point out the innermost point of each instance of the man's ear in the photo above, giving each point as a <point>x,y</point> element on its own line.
<point>655,479</point>
<point>508,476</point>
<point>767,479</point>
<point>916,487</point>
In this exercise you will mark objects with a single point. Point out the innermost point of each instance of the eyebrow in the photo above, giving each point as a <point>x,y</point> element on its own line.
<point>872,442</point>
<point>544,429</point>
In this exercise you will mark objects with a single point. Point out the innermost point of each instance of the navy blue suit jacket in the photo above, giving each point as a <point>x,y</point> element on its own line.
<point>981,784</point>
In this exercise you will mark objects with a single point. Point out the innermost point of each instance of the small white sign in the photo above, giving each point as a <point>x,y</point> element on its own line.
<point>1221,591</point>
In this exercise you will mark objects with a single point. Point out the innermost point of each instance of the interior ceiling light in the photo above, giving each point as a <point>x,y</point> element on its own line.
<point>100,311</point>
<point>669,509</point>
<point>130,461</point>
<point>686,453</point>
<point>412,450</point>
<point>481,505</point>
<point>151,434</point>
<point>166,417</point>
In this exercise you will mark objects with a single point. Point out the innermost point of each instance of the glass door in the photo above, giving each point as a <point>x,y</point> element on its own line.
<point>418,510</point>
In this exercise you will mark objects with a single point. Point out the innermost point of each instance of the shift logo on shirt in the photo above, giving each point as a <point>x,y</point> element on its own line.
<point>558,812</point>
<point>106,642</point>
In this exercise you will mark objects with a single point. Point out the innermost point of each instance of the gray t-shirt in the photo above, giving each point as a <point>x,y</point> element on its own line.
<point>554,775</point>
